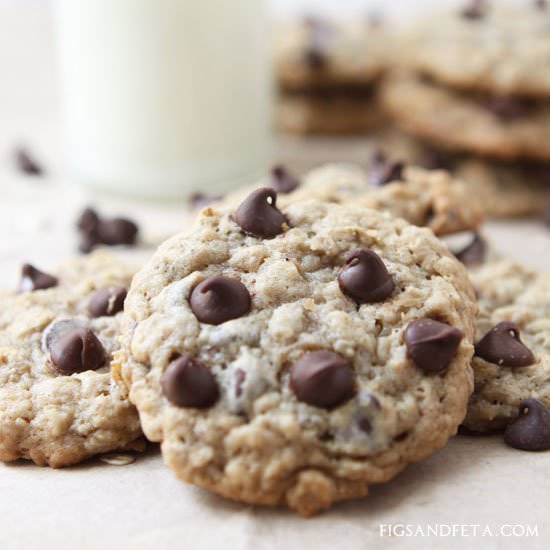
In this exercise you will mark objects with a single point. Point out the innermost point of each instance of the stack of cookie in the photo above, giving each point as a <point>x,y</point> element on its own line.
<point>327,73</point>
<point>474,85</point>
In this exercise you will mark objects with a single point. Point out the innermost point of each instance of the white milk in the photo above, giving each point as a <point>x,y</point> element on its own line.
<point>165,97</point>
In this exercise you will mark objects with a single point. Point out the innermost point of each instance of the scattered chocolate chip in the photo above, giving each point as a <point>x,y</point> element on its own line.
<point>27,163</point>
<point>365,278</point>
<point>107,301</point>
<point>34,279</point>
<point>219,299</point>
<point>240,377</point>
<point>475,10</point>
<point>531,430</point>
<point>507,108</point>
<point>188,383</point>
<point>323,379</point>
<point>77,351</point>
<point>200,200</point>
<point>431,344</point>
<point>258,214</point>
<point>474,253</point>
<point>282,180</point>
<point>365,425</point>
<point>382,171</point>
<point>502,346</point>
<point>117,231</point>
<point>95,230</point>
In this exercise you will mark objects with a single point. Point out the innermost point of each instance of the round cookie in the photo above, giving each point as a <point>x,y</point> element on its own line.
<point>462,122</point>
<point>503,50</point>
<point>319,53</point>
<point>429,198</point>
<point>512,359</point>
<point>58,403</point>
<point>296,356</point>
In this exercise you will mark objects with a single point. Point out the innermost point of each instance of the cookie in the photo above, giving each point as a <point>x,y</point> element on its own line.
<point>495,48</point>
<point>321,53</point>
<point>340,112</point>
<point>512,359</point>
<point>293,357</point>
<point>503,189</point>
<point>58,403</point>
<point>422,197</point>
<point>507,129</point>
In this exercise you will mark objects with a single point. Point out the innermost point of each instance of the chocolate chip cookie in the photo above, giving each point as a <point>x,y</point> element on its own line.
<point>486,46</point>
<point>504,128</point>
<point>422,197</point>
<point>512,357</point>
<point>58,404</point>
<point>294,356</point>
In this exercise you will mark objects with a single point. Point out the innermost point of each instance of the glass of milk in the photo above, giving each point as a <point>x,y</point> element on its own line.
<point>163,98</point>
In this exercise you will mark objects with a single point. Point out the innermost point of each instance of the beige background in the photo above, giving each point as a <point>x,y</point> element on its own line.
<point>473,481</point>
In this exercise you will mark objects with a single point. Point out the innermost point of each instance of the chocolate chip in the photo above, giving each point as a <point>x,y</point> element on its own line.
<point>117,231</point>
<point>323,379</point>
<point>315,58</point>
<point>365,278</point>
<point>475,10</point>
<point>188,383</point>
<point>258,215</point>
<point>365,425</point>
<point>502,346</point>
<point>507,108</point>
<point>200,200</point>
<point>431,344</point>
<point>34,279</point>
<point>282,181</point>
<point>107,301</point>
<point>382,171</point>
<point>219,299</point>
<point>531,430</point>
<point>77,351</point>
<point>474,253</point>
<point>95,230</point>
<point>27,164</point>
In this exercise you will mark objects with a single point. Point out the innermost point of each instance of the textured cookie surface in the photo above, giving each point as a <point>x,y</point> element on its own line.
<point>509,293</point>
<point>317,53</point>
<point>464,122</point>
<point>422,197</point>
<point>258,437</point>
<point>506,50</point>
<point>54,418</point>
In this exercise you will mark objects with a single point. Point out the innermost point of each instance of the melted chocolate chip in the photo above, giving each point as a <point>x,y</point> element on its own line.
<point>219,299</point>
<point>27,163</point>
<point>431,344</point>
<point>475,10</point>
<point>258,215</point>
<point>95,230</point>
<point>282,180</point>
<point>77,351</point>
<point>188,383</point>
<point>508,109</point>
<point>200,200</point>
<point>107,301</point>
<point>502,346</point>
<point>365,278</point>
<point>34,279</point>
<point>383,171</point>
<point>323,379</point>
<point>474,253</point>
<point>531,430</point>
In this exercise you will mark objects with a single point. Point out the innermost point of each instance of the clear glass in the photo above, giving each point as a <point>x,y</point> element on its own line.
<point>165,97</point>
